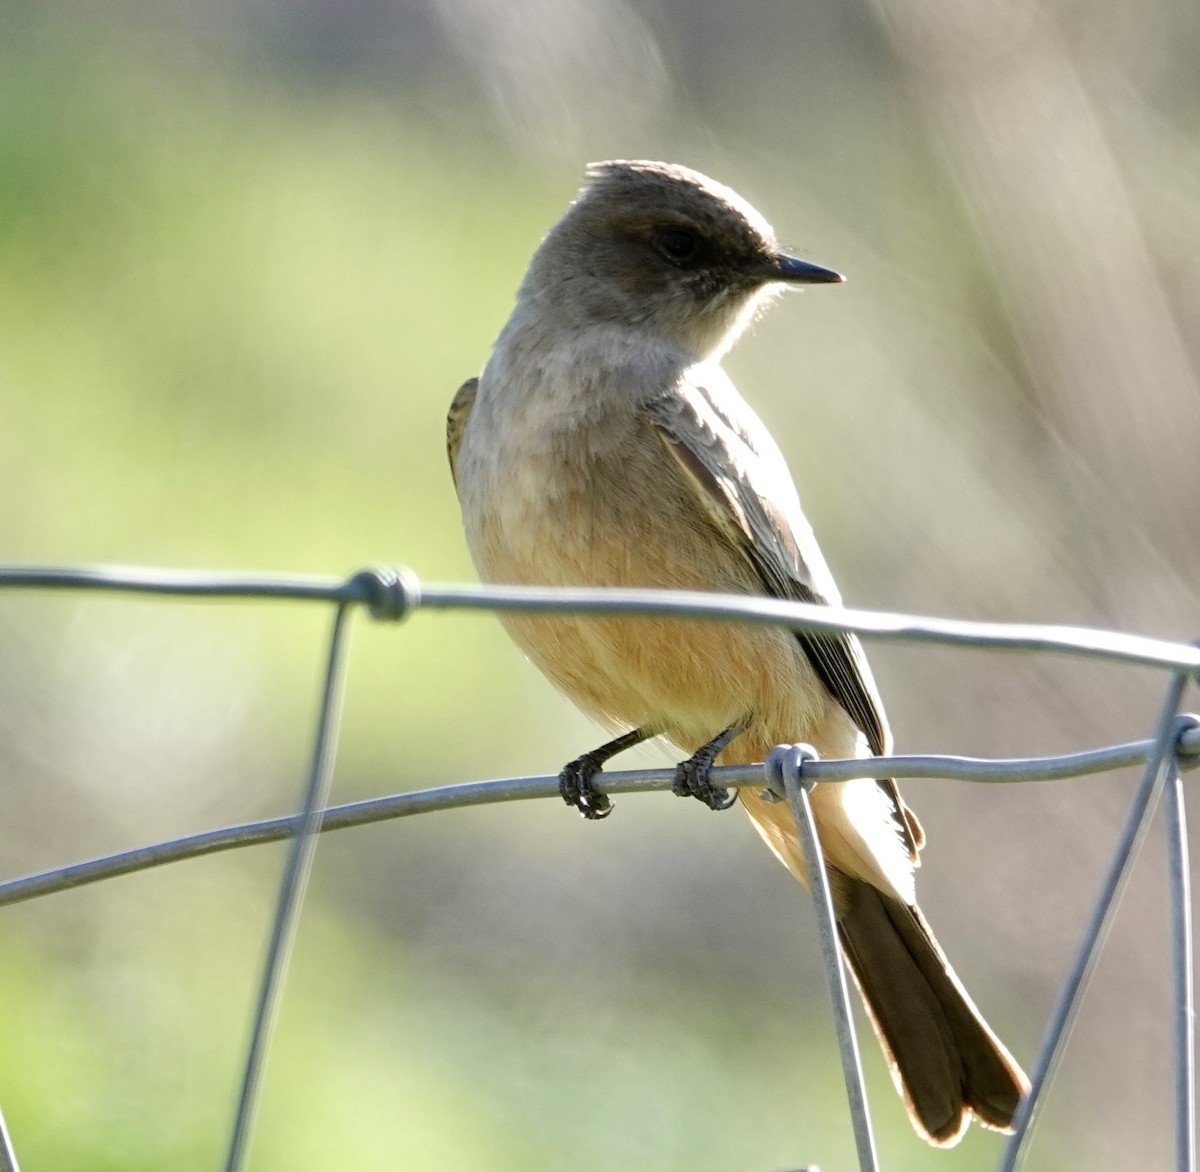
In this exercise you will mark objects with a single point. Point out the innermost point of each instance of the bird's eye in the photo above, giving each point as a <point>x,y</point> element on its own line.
<point>678,245</point>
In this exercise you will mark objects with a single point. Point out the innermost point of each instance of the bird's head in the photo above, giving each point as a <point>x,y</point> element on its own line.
<point>660,247</point>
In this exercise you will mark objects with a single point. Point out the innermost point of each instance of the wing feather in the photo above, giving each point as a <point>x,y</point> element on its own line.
<point>456,422</point>
<point>716,445</point>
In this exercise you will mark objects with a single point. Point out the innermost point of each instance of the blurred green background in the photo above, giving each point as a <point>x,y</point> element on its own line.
<point>249,249</point>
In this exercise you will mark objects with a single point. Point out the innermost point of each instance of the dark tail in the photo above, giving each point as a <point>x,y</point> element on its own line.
<point>947,1063</point>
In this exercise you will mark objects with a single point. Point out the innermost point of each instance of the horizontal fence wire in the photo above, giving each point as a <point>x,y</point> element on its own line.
<point>391,593</point>
<point>394,594</point>
<point>513,789</point>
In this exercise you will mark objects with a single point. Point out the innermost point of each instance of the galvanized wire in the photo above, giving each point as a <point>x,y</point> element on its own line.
<point>514,789</point>
<point>291,890</point>
<point>1158,765</point>
<point>783,767</point>
<point>8,1158</point>
<point>1182,966</point>
<point>393,594</point>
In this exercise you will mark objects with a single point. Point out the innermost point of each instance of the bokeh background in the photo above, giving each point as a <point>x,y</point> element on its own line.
<point>248,250</point>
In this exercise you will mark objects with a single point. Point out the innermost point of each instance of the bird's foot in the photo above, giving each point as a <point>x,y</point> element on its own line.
<point>577,781</point>
<point>692,781</point>
<point>691,776</point>
<point>576,784</point>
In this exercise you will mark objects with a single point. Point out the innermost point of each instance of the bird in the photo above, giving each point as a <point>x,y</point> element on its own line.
<point>603,445</point>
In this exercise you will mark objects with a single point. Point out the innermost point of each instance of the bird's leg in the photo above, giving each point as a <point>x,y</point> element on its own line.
<point>691,776</point>
<point>576,780</point>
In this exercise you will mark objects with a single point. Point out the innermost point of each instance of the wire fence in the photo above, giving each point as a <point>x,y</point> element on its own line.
<point>790,771</point>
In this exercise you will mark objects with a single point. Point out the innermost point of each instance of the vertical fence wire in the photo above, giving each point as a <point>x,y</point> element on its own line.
<point>1179,876</point>
<point>783,769</point>
<point>291,890</point>
<point>8,1158</point>
<point>1158,764</point>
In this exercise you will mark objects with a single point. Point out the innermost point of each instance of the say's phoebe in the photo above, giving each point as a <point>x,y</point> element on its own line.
<point>603,445</point>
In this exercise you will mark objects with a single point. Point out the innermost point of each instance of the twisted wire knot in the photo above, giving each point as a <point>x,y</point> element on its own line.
<point>390,593</point>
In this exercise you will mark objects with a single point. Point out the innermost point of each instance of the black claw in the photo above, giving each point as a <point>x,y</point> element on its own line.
<point>576,784</point>
<point>692,775</point>
<point>691,781</point>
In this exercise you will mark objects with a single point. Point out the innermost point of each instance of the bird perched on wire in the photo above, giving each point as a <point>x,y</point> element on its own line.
<point>603,445</point>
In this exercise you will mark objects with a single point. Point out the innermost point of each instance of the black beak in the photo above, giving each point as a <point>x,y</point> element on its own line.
<point>800,272</point>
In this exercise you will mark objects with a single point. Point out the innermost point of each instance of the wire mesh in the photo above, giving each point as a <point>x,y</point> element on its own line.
<point>392,594</point>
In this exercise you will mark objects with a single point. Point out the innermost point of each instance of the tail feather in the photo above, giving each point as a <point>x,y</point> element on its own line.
<point>947,1063</point>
